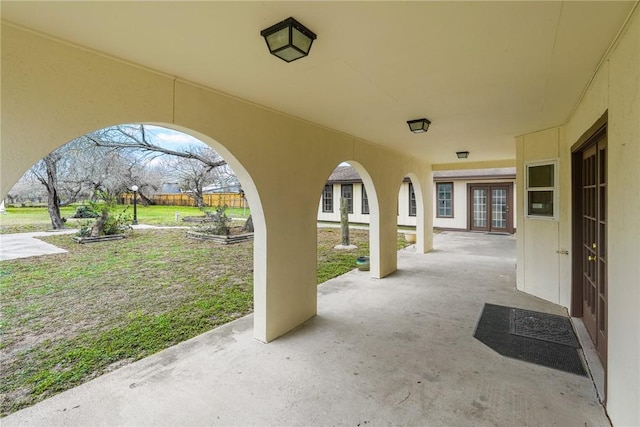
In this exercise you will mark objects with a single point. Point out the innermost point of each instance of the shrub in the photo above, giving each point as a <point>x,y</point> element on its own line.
<point>85,212</point>
<point>219,224</point>
<point>117,223</point>
<point>107,221</point>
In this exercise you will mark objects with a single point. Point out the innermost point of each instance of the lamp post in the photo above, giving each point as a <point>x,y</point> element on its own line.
<point>134,188</point>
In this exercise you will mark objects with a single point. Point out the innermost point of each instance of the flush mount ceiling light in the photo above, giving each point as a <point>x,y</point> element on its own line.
<point>419,125</point>
<point>288,40</point>
<point>462,154</point>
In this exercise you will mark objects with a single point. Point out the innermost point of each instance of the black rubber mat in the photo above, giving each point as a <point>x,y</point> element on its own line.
<point>495,330</point>
<point>543,326</point>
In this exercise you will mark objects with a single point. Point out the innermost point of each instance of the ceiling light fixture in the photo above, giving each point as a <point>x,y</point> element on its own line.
<point>462,154</point>
<point>288,40</point>
<point>419,125</point>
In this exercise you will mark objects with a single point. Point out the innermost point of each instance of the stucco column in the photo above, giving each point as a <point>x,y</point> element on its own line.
<point>288,295</point>
<point>388,233</point>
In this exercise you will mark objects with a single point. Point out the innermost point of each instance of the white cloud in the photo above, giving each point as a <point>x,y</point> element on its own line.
<point>172,137</point>
<point>176,138</point>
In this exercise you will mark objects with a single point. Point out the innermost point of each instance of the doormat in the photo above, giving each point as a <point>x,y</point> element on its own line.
<point>530,336</point>
<point>543,326</point>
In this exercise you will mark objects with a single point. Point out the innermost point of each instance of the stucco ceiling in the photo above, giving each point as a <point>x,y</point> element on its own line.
<point>482,72</point>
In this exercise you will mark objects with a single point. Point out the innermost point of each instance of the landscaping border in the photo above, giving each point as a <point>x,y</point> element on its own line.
<point>223,240</point>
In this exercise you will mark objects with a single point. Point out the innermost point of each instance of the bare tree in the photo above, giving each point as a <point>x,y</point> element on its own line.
<point>46,171</point>
<point>194,175</point>
<point>194,167</point>
<point>136,138</point>
<point>110,160</point>
<point>27,189</point>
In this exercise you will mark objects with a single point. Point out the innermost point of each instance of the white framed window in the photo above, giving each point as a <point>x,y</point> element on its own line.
<point>365,201</point>
<point>327,198</point>
<point>541,190</point>
<point>413,207</point>
<point>347,195</point>
<point>445,199</point>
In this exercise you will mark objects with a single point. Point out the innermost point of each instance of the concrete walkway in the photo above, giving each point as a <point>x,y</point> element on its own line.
<point>396,351</point>
<point>25,245</point>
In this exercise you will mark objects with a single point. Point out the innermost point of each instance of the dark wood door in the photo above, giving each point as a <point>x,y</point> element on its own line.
<point>490,207</point>
<point>594,243</point>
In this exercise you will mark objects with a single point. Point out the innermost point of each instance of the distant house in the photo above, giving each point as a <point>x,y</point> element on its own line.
<point>230,188</point>
<point>169,188</point>
<point>476,200</point>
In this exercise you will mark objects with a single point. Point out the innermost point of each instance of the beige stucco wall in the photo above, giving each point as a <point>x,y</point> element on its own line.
<point>53,92</point>
<point>538,259</point>
<point>616,89</point>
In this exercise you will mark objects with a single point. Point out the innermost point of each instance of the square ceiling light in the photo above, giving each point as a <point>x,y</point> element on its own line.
<point>419,125</point>
<point>288,40</point>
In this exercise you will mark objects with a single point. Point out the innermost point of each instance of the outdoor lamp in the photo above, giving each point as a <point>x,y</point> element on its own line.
<point>419,125</point>
<point>462,154</point>
<point>288,40</point>
<point>134,188</point>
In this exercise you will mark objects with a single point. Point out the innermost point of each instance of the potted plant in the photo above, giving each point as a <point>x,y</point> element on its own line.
<point>362,262</point>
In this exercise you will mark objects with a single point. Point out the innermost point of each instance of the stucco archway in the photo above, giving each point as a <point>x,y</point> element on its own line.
<point>420,213</point>
<point>286,157</point>
<point>250,191</point>
<point>372,217</point>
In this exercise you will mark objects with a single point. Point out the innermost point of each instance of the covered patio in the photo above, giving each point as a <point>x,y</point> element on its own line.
<point>552,88</point>
<point>398,351</point>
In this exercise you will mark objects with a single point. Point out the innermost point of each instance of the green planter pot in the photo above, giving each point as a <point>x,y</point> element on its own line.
<point>362,262</point>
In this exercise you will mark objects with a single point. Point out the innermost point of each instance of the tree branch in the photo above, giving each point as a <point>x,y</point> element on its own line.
<point>147,147</point>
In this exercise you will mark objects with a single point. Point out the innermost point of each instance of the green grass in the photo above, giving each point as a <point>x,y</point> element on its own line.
<point>67,318</point>
<point>333,263</point>
<point>21,220</point>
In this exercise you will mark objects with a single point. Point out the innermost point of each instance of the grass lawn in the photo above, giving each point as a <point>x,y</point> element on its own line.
<point>68,318</point>
<point>20,220</point>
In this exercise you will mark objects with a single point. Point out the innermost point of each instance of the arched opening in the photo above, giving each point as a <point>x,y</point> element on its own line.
<point>73,316</point>
<point>411,210</point>
<point>350,183</point>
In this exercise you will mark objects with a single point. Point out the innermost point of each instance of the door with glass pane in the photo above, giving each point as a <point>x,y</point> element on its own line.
<point>594,244</point>
<point>490,207</point>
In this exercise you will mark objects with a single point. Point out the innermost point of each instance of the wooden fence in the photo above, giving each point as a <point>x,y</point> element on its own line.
<point>231,200</point>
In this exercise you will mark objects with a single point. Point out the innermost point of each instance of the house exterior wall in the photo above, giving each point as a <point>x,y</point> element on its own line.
<point>544,272</point>
<point>357,216</point>
<point>403,217</point>
<point>53,92</point>
<point>403,206</point>
<point>460,205</point>
<point>460,219</point>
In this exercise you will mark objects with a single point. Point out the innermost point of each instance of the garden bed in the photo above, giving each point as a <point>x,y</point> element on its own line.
<point>224,240</point>
<point>200,218</point>
<point>97,239</point>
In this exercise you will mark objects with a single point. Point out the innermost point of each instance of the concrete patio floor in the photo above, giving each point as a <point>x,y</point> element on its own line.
<point>396,351</point>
